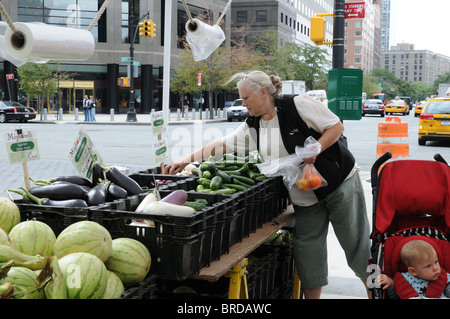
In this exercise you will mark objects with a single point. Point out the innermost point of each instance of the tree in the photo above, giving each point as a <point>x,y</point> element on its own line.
<point>40,80</point>
<point>216,69</point>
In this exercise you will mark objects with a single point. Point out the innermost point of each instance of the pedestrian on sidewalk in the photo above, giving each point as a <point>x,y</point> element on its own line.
<point>86,111</point>
<point>185,105</point>
<point>92,106</point>
<point>275,126</point>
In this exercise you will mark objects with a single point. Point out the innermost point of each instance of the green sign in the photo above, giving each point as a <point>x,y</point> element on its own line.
<point>83,154</point>
<point>21,146</point>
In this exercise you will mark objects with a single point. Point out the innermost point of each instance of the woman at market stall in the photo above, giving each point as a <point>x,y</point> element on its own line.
<point>276,124</point>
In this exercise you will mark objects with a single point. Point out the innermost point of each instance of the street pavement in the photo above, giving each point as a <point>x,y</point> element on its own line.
<point>342,282</point>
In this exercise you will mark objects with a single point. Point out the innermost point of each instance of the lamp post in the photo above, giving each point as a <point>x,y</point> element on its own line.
<point>338,34</point>
<point>131,114</point>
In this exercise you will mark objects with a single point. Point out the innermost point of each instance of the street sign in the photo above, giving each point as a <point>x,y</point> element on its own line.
<point>10,76</point>
<point>137,63</point>
<point>355,10</point>
<point>125,59</point>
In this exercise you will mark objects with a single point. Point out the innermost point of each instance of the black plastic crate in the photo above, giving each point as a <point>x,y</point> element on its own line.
<point>145,289</point>
<point>148,180</point>
<point>57,218</point>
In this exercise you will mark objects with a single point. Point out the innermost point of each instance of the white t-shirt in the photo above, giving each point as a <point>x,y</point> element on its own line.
<point>316,116</point>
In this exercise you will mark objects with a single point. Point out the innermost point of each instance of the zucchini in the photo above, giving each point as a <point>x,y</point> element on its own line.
<point>238,182</point>
<point>216,182</point>
<point>226,178</point>
<point>244,179</point>
<point>227,168</point>
<point>237,187</point>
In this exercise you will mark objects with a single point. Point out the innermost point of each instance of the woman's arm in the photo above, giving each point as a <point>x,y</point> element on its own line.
<point>328,138</point>
<point>213,148</point>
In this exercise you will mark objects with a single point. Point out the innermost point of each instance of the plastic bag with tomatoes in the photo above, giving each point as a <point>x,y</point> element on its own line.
<point>310,178</point>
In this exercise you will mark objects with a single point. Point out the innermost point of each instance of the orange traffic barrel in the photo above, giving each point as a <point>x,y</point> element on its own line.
<point>393,137</point>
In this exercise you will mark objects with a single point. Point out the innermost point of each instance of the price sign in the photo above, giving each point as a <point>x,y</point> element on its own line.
<point>21,146</point>
<point>159,128</point>
<point>83,154</point>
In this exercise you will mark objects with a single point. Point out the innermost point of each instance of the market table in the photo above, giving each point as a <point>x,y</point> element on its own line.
<point>233,264</point>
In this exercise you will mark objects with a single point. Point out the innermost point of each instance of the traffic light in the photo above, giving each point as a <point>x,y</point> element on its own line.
<point>317,34</point>
<point>151,28</point>
<point>142,29</point>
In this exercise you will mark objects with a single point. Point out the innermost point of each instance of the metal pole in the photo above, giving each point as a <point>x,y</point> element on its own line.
<point>131,114</point>
<point>338,34</point>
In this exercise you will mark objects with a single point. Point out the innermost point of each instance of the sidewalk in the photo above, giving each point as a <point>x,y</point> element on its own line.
<point>141,119</point>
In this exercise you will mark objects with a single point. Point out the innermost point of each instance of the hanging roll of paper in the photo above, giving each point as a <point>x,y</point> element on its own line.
<point>40,42</point>
<point>203,38</point>
<point>3,54</point>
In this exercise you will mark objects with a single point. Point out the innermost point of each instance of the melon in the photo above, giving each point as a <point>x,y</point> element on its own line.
<point>130,260</point>
<point>85,274</point>
<point>114,287</point>
<point>4,238</point>
<point>84,236</point>
<point>33,238</point>
<point>9,214</point>
<point>26,285</point>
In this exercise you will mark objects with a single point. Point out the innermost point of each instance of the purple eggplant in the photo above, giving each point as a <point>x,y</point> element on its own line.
<point>59,191</point>
<point>114,175</point>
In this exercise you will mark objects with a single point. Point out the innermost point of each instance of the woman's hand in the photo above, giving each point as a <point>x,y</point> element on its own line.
<point>175,167</point>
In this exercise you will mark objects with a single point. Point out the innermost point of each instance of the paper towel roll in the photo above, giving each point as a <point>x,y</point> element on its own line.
<point>203,38</point>
<point>40,42</point>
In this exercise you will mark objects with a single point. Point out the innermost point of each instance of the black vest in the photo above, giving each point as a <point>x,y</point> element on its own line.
<point>334,163</point>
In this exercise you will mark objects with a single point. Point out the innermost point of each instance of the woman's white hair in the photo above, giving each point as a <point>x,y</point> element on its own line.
<point>255,80</point>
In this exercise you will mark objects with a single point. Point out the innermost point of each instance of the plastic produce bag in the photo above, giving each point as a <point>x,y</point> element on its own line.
<point>310,178</point>
<point>289,166</point>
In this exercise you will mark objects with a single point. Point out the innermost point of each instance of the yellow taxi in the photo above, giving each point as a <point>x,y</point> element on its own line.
<point>419,108</point>
<point>397,106</point>
<point>434,122</point>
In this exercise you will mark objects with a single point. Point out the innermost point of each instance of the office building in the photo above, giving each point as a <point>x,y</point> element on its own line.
<point>99,74</point>
<point>415,65</point>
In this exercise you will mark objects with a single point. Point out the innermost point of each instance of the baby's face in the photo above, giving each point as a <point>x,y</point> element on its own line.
<point>427,268</point>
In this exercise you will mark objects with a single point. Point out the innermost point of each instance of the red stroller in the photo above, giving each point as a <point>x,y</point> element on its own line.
<point>410,198</point>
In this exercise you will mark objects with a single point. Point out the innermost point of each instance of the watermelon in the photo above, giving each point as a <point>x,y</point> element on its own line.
<point>33,238</point>
<point>130,260</point>
<point>9,214</point>
<point>85,274</point>
<point>4,238</point>
<point>25,282</point>
<point>84,236</point>
<point>114,287</point>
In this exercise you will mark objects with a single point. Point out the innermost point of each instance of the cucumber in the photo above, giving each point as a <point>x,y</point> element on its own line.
<point>204,182</point>
<point>207,166</point>
<point>206,174</point>
<point>216,182</point>
<point>224,191</point>
<point>227,168</point>
<point>199,188</point>
<point>197,171</point>
<point>195,205</point>
<point>237,187</point>
<point>226,178</point>
<point>244,179</point>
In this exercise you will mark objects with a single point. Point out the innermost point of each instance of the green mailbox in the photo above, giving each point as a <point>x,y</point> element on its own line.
<point>345,93</point>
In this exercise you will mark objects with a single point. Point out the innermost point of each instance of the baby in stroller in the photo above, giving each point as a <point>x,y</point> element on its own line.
<point>424,277</point>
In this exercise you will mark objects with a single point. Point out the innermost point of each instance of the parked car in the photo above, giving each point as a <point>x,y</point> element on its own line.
<point>10,110</point>
<point>397,106</point>
<point>419,108</point>
<point>434,122</point>
<point>373,106</point>
<point>237,111</point>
